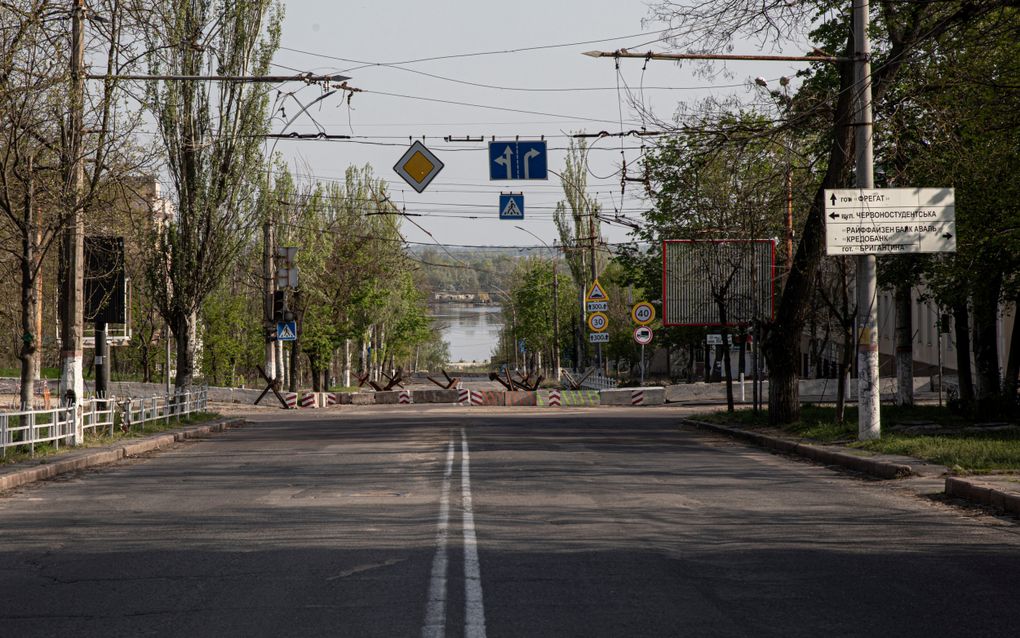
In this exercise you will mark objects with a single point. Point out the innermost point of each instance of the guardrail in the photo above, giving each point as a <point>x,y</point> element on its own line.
<point>70,424</point>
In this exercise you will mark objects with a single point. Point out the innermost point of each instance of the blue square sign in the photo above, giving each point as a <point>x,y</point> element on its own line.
<point>511,206</point>
<point>518,160</point>
<point>286,331</point>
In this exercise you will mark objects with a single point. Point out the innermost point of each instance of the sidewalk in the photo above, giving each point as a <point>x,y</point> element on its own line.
<point>18,474</point>
<point>998,491</point>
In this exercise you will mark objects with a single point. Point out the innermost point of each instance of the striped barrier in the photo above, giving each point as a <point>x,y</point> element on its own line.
<point>405,397</point>
<point>551,398</point>
<point>291,399</point>
<point>307,400</point>
<point>481,397</point>
<point>637,397</point>
<point>520,398</point>
<point>329,399</point>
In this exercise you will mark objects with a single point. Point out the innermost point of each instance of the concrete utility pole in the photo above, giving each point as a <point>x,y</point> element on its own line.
<point>868,391</point>
<point>72,386</point>
<point>594,276</point>
<point>268,287</point>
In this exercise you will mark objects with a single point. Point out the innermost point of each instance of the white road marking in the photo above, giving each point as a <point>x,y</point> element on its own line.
<point>474,610</point>
<point>435,613</point>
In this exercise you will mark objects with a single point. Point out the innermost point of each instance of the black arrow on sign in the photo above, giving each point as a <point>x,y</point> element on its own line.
<point>833,216</point>
<point>833,199</point>
<point>947,236</point>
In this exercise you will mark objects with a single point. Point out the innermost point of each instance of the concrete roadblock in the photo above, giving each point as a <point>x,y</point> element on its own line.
<point>652,395</point>
<point>387,397</point>
<point>520,398</point>
<point>555,398</point>
<point>356,398</point>
<point>480,397</point>
<point>309,400</point>
<point>435,396</point>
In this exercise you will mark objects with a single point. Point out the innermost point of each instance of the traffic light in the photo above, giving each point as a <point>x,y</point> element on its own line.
<point>286,267</point>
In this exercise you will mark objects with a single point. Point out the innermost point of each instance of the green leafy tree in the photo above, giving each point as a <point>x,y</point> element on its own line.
<point>211,135</point>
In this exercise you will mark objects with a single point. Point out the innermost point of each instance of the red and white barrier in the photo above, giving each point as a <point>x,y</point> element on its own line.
<point>555,398</point>
<point>308,400</point>
<point>291,399</point>
<point>405,397</point>
<point>463,396</point>
<point>330,398</point>
<point>637,397</point>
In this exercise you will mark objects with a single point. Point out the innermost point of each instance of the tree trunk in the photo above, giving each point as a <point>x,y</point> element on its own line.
<point>183,327</point>
<point>904,337</point>
<point>1010,383</point>
<point>782,345</point>
<point>985,296</point>
<point>313,365</point>
<point>961,328</point>
<point>846,360</point>
<point>29,301</point>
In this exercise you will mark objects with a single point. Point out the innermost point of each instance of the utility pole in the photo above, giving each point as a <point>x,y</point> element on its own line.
<point>72,385</point>
<point>556,320</point>
<point>594,276</point>
<point>268,287</point>
<point>868,391</point>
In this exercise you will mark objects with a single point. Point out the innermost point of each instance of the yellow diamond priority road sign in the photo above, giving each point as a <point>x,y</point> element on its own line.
<point>419,166</point>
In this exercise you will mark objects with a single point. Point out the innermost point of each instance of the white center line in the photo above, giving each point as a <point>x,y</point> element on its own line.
<point>474,610</point>
<point>435,613</point>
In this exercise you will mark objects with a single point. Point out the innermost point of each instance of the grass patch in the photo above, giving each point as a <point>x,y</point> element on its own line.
<point>955,443</point>
<point>93,439</point>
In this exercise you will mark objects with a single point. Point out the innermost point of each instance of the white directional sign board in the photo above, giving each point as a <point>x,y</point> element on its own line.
<point>886,221</point>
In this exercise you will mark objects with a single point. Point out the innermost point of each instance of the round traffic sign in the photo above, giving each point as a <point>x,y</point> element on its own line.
<point>643,335</point>
<point>643,313</point>
<point>598,321</point>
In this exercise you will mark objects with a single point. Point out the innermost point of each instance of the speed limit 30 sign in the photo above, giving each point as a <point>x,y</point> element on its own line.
<point>598,321</point>
<point>643,313</point>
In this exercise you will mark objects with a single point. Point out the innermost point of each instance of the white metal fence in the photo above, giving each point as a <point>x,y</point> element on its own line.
<point>69,425</point>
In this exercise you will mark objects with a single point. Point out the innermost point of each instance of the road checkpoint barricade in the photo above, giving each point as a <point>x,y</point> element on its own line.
<point>520,398</point>
<point>292,400</point>
<point>328,399</point>
<point>308,400</point>
<point>404,397</point>
<point>568,398</point>
<point>480,397</point>
<point>651,395</point>
<point>435,395</point>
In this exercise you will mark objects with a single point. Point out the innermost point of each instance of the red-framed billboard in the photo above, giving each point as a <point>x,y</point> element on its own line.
<point>699,273</point>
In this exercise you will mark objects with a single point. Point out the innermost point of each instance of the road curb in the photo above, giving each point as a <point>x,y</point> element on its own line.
<point>105,456</point>
<point>982,494</point>
<point>864,465</point>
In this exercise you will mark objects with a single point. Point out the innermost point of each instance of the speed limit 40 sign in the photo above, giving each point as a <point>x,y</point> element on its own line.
<point>643,313</point>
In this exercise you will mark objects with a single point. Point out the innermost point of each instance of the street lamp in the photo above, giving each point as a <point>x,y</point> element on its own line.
<point>556,302</point>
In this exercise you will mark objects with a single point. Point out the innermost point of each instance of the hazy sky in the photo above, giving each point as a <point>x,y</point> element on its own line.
<point>480,95</point>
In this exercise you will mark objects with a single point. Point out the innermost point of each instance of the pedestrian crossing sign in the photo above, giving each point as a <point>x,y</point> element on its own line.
<point>596,293</point>
<point>511,206</point>
<point>286,331</point>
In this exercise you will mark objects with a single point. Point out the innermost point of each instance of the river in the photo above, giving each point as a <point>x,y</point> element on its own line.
<point>472,331</point>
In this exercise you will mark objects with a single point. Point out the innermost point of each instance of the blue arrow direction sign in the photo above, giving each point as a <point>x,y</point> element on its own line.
<point>511,206</point>
<point>286,331</point>
<point>518,160</point>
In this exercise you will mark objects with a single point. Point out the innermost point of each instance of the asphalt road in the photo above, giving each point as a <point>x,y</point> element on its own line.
<point>463,521</point>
